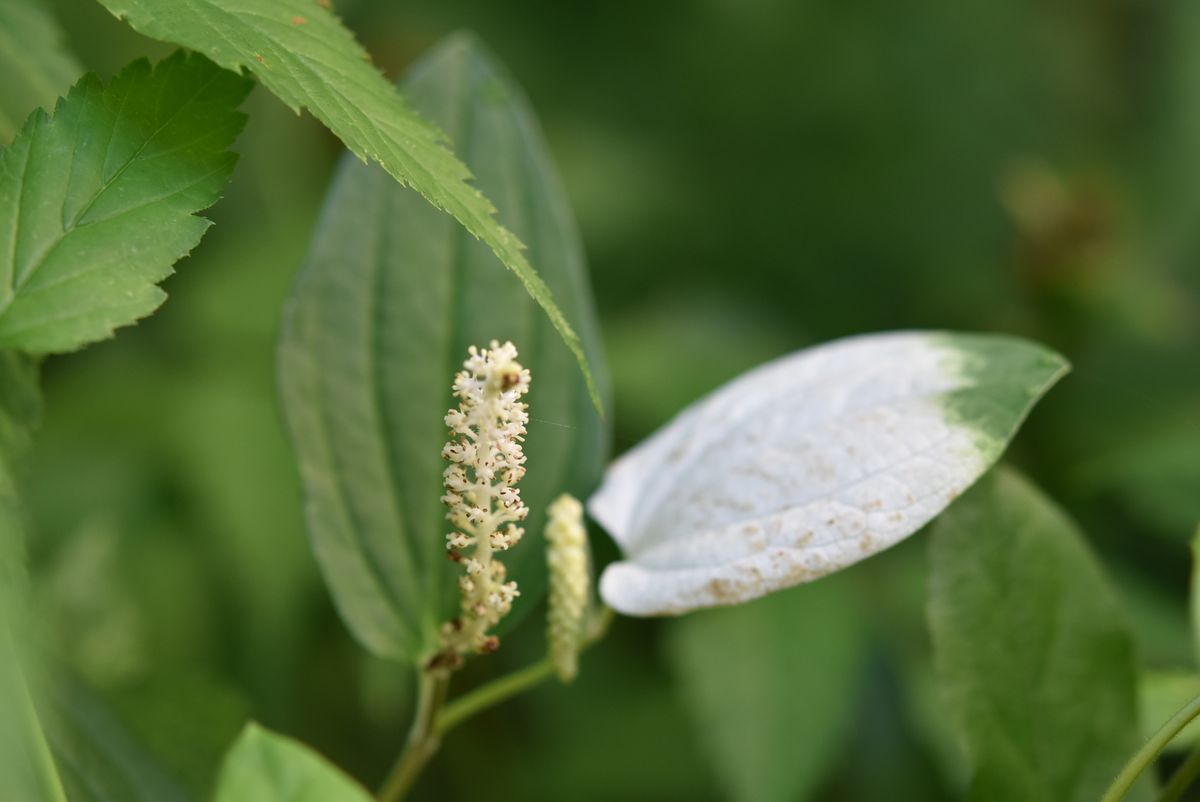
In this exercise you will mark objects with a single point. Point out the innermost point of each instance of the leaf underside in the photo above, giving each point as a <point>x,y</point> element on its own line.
<point>811,463</point>
<point>389,299</point>
<point>100,199</point>
<point>303,54</point>
<point>1033,652</point>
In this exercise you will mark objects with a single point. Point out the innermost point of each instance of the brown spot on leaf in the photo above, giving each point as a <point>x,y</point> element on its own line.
<point>298,20</point>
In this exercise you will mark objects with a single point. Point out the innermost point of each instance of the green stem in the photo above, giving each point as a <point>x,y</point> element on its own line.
<point>1182,779</point>
<point>498,690</point>
<point>493,693</point>
<point>1152,748</point>
<point>423,739</point>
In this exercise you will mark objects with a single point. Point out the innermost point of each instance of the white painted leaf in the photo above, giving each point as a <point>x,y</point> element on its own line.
<point>810,463</point>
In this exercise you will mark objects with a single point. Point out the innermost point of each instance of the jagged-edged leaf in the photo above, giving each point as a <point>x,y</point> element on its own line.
<point>35,66</point>
<point>772,687</point>
<point>100,199</point>
<point>811,463</point>
<point>301,52</point>
<point>99,759</point>
<point>1033,651</point>
<point>262,765</point>
<point>390,297</point>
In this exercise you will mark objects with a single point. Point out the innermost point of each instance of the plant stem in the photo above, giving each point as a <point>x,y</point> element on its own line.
<point>423,740</point>
<point>493,693</point>
<point>1183,777</point>
<point>498,690</point>
<point>1150,750</point>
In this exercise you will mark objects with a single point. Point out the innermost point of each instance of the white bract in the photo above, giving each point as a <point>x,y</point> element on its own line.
<point>811,463</point>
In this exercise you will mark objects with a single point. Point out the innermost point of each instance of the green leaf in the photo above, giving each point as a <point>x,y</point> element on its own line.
<point>262,766</point>
<point>772,687</point>
<point>1032,648</point>
<point>391,296</point>
<point>100,198</point>
<point>35,66</point>
<point>305,56</point>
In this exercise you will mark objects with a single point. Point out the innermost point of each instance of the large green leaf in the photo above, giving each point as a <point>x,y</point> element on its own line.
<point>99,200</point>
<point>262,766</point>
<point>771,686</point>
<point>35,67</point>
<point>1032,648</point>
<point>302,53</point>
<point>390,297</point>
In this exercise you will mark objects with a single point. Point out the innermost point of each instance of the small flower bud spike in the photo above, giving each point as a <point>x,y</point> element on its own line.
<point>567,559</point>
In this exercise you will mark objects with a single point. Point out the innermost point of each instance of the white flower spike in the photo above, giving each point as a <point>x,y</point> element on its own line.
<point>811,463</point>
<point>486,462</point>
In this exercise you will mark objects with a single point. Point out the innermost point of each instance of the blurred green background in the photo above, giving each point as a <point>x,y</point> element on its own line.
<point>750,177</point>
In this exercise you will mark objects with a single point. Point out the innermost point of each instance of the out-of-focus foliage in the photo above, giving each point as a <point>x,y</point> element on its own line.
<point>773,685</point>
<point>36,68</point>
<point>749,178</point>
<point>1034,657</point>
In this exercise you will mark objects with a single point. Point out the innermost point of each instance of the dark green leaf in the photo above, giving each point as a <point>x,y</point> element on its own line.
<point>382,314</point>
<point>101,198</point>
<point>305,56</point>
<point>1032,648</point>
<point>772,687</point>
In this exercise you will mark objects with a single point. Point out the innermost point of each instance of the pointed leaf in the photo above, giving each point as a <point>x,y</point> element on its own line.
<point>100,198</point>
<point>305,56</point>
<point>262,765</point>
<point>1033,651</point>
<point>391,296</point>
<point>772,687</point>
<point>35,66</point>
<point>811,463</point>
